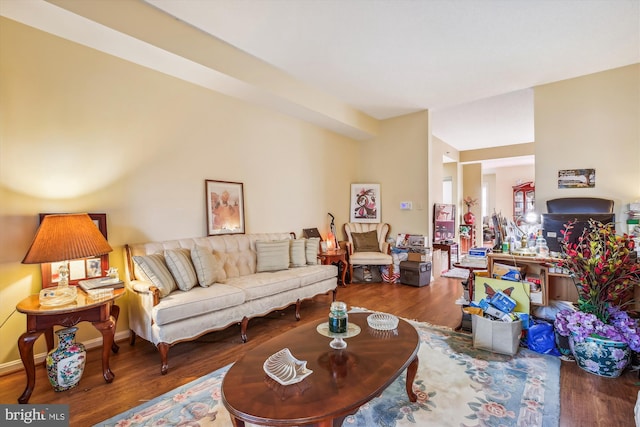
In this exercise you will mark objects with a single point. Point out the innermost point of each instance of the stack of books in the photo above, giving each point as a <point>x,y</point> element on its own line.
<point>100,282</point>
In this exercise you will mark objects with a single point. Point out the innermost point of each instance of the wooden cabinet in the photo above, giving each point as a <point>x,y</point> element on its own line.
<point>524,199</point>
<point>444,223</point>
<point>562,288</point>
<point>467,235</point>
<point>553,286</point>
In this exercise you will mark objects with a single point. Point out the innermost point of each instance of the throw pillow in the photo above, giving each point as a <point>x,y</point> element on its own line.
<point>208,268</point>
<point>311,250</point>
<point>297,255</point>
<point>365,242</point>
<point>272,255</point>
<point>181,268</point>
<point>154,269</point>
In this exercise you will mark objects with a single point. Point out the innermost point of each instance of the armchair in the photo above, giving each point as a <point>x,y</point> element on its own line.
<point>360,248</point>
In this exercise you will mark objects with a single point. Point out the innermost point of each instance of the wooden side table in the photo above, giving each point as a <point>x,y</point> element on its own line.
<point>339,256</point>
<point>102,313</point>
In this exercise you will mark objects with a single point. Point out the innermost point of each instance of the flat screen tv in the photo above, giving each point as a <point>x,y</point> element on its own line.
<point>553,226</point>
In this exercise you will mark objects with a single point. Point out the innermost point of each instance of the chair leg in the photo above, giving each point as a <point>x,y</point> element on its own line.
<point>350,272</point>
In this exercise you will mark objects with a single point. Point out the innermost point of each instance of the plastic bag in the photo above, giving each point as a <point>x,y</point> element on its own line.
<point>541,338</point>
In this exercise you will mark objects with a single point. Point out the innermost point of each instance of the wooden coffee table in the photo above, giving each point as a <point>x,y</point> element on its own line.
<point>341,382</point>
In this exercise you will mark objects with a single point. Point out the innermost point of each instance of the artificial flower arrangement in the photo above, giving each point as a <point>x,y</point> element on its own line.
<point>470,202</point>
<point>605,274</point>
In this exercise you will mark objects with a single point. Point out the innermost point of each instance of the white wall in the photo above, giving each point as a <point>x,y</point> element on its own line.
<point>398,159</point>
<point>83,131</point>
<point>505,179</point>
<point>590,122</point>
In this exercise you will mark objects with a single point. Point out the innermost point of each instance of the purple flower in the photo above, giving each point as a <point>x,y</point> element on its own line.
<point>581,325</point>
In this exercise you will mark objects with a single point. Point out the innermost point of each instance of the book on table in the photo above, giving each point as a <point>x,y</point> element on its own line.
<point>100,282</point>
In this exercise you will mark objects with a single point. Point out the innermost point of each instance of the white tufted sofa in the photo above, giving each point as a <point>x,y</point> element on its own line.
<point>244,294</point>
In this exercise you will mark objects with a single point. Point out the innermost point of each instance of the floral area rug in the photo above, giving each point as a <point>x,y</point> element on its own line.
<point>456,386</point>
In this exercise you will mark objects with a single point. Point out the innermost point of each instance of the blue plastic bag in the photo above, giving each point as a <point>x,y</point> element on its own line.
<point>541,338</point>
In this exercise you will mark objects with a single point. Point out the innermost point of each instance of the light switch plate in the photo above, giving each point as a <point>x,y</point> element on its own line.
<point>406,205</point>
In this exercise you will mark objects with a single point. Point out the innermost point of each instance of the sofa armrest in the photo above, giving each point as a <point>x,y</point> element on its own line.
<point>386,248</point>
<point>348,246</point>
<point>144,287</point>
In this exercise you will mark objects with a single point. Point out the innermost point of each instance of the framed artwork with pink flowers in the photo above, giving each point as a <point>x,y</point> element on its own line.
<point>365,203</point>
<point>225,207</point>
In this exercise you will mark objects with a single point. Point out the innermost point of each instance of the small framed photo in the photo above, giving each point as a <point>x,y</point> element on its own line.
<point>225,207</point>
<point>365,203</point>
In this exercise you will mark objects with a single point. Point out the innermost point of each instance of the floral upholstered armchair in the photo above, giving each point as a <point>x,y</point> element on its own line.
<point>366,244</point>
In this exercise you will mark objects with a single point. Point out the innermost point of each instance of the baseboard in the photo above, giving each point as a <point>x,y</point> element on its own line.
<point>16,365</point>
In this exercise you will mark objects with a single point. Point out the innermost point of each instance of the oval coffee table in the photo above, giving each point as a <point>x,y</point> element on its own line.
<point>341,382</point>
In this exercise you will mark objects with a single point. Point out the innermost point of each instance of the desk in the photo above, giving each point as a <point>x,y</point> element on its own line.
<point>102,313</point>
<point>336,255</point>
<point>553,285</point>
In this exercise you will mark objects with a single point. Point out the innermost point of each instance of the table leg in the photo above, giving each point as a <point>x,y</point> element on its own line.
<point>115,312</point>
<point>344,272</point>
<point>411,376</point>
<point>25,345</point>
<point>48,336</point>
<point>108,330</point>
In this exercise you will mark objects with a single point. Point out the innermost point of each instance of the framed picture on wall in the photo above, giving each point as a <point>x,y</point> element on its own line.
<point>79,269</point>
<point>365,203</point>
<point>444,222</point>
<point>225,207</point>
<point>577,178</point>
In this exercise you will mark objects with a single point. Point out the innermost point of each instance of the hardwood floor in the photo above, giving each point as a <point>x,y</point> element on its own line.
<point>586,399</point>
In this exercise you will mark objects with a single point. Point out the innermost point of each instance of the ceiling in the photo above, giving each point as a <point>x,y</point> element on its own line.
<point>472,63</point>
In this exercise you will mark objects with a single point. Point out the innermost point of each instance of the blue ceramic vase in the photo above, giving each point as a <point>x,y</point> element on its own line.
<point>601,356</point>
<point>65,364</point>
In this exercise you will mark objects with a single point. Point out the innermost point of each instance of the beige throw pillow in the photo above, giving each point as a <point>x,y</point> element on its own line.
<point>297,255</point>
<point>181,268</point>
<point>365,242</point>
<point>154,269</point>
<point>272,255</point>
<point>311,250</point>
<point>209,268</point>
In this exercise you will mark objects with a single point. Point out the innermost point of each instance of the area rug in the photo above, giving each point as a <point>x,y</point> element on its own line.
<point>456,386</point>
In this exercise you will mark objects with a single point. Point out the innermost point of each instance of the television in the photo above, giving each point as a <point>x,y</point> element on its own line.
<point>553,226</point>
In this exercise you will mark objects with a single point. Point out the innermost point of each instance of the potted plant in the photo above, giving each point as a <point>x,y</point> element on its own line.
<point>600,330</point>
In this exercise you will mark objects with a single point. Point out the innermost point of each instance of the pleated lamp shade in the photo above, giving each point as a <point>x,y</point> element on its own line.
<point>66,237</point>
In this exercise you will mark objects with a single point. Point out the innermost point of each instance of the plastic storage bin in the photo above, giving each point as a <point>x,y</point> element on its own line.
<point>415,273</point>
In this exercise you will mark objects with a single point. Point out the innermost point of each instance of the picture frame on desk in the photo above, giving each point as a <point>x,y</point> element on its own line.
<point>79,269</point>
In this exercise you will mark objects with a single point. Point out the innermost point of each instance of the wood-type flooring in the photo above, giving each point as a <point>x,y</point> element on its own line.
<point>586,399</point>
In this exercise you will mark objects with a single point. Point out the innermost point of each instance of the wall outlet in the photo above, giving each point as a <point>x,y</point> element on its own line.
<point>406,206</point>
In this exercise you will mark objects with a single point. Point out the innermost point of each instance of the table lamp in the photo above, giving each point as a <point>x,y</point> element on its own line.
<point>61,238</point>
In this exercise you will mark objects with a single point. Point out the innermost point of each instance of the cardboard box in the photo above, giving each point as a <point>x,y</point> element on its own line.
<point>416,257</point>
<point>495,335</point>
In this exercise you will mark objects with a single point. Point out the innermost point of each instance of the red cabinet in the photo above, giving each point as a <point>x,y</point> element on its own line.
<point>524,199</point>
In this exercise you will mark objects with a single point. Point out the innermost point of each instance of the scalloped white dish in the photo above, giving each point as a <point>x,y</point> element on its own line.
<point>382,321</point>
<point>286,369</point>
